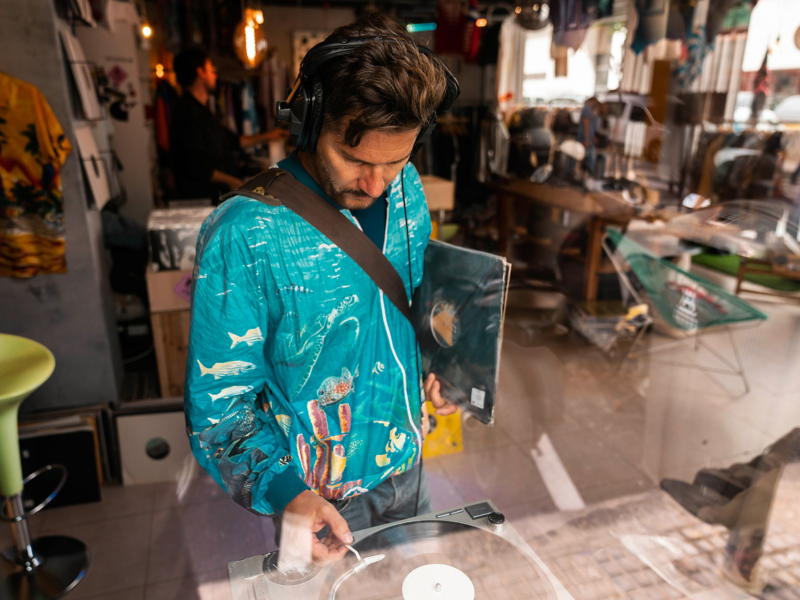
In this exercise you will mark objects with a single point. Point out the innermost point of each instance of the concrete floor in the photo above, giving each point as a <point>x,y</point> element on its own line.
<point>574,462</point>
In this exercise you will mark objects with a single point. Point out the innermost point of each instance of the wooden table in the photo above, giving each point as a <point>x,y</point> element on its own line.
<point>569,206</point>
<point>768,267</point>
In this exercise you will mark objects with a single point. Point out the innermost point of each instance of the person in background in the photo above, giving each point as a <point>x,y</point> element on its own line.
<point>587,129</point>
<point>203,151</point>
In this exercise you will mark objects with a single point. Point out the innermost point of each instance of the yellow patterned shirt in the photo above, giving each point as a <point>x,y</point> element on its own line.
<point>33,149</point>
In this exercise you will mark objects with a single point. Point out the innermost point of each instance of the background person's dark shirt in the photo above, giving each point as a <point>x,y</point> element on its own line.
<point>199,145</point>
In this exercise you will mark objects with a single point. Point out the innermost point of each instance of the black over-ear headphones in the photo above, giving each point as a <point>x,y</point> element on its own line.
<point>303,108</point>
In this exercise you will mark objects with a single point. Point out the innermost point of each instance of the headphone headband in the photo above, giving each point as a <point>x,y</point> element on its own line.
<point>303,108</point>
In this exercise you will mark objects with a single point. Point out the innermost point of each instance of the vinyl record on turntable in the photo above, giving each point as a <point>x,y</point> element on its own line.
<point>437,582</point>
<point>458,312</point>
<point>468,552</point>
<point>427,560</point>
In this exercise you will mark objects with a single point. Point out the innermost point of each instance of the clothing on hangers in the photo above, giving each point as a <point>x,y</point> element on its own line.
<point>249,116</point>
<point>571,20</point>
<point>33,148</point>
<point>165,99</point>
<point>273,83</point>
<point>651,25</point>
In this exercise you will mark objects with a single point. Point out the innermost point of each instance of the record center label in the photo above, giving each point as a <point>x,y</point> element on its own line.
<point>478,398</point>
<point>438,582</point>
<point>444,324</point>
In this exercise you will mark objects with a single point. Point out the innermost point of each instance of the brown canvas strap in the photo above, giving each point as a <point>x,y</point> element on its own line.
<point>278,186</point>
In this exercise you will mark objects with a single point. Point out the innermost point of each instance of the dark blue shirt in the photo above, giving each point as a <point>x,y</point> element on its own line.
<point>372,219</point>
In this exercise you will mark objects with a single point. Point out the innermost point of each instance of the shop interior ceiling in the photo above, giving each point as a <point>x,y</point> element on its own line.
<point>406,10</point>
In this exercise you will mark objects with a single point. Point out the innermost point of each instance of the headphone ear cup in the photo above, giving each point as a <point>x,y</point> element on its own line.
<point>314,126</point>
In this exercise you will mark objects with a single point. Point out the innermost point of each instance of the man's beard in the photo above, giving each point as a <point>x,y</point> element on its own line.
<point>351,199</point>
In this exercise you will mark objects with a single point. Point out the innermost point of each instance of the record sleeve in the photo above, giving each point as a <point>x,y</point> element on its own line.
<point>458,312</point>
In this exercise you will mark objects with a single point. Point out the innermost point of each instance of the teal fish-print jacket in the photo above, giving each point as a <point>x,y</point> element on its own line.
<point>301,374</point>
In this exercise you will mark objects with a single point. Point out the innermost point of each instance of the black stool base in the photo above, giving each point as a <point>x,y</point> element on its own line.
<point>64,561</point>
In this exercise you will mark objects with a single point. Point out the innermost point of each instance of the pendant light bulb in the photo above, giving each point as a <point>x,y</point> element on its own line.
<point>249,40</point>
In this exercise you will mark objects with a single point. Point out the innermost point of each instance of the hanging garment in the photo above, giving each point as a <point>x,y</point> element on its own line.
<point>33,149</point>
<point>696,50</point>
<point>571,20</point>
<point>250,125</point>
<point>450,27</point>
<point>472,33</point>
<point>494,147</point>
<point>490,45</point>
<point>652,18</point>
<point>717,16</point>
<point>166,98</point>
<point>274,82</point>
<point>760,90</point>
<point>509,75</point>
<point>605,9</point>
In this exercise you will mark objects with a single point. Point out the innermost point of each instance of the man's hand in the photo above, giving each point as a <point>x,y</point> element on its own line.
<point>433,393</point>
<point>307,514</point>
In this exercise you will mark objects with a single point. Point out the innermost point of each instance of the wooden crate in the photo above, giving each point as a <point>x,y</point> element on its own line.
<point>171,339</point>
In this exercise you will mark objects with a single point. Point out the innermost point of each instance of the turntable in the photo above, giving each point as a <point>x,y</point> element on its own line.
<point>465,553</point>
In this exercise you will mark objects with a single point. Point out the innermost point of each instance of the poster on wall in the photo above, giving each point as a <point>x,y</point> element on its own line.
<point>302,42</point>
<point>82,75</point>
<point>93,166</point>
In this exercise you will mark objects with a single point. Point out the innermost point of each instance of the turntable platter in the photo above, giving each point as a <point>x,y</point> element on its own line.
<point>486,561</point>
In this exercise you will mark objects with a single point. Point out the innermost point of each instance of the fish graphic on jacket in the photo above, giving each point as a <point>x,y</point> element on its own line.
<point>225,369</point>
<point>251,337</point>
<point>231,391</point>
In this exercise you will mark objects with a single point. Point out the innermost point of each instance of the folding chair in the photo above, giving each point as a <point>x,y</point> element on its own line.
<point>687,303</point>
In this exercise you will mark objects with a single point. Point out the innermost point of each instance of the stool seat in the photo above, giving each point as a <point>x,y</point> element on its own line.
<point>24,366</point>
<point>48,567</point>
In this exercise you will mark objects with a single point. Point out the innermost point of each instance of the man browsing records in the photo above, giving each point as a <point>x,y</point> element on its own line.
<point>303,397</point>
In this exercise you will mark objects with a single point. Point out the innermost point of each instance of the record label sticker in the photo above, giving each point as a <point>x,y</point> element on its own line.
<point>444,324</point>
<point>478,398</point>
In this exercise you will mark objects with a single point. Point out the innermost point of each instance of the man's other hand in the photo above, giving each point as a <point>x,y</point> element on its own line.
<point>309,513</point>
<point>433,392</point>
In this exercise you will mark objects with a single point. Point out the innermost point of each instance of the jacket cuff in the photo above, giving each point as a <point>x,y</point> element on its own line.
<point>283,488</point>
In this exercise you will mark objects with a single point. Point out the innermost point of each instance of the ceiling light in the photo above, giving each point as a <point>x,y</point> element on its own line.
<point>417,27</point>
<point>249,40</point>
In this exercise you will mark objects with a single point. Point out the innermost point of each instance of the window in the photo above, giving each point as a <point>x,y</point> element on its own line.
<point>638,114</point>
<point>615,108</point>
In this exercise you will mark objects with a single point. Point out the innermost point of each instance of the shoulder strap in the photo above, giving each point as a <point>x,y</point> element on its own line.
<point>278,186</point>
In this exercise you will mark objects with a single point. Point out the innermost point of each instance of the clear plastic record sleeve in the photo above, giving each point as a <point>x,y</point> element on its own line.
<point>458,312</point>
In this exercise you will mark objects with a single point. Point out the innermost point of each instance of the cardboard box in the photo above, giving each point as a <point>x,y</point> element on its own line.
<point>440,193</point>
<point>161,290</point>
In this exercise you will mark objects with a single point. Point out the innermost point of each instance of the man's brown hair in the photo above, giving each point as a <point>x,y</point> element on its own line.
<point>386,84</point>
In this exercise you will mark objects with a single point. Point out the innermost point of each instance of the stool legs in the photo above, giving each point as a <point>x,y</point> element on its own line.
<point>25,556</point>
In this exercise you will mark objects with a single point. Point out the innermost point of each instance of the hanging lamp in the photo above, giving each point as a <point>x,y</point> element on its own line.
<point>249,39</point>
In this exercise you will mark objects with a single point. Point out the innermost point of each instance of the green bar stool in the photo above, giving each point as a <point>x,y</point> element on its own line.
<point>50,566</point>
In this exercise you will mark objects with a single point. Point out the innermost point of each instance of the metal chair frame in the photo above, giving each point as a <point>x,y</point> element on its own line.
<point>732,369</point>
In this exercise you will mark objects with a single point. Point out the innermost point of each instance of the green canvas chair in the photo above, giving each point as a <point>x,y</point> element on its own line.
<point>685,302</point>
